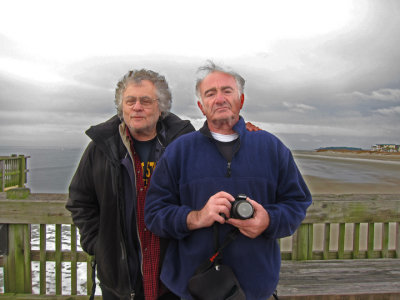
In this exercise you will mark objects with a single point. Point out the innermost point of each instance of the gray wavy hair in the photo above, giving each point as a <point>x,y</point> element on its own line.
<point>136,76</point>
<point>211,67</point>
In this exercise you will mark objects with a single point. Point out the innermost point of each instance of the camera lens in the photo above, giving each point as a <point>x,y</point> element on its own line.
<point>244,210</point>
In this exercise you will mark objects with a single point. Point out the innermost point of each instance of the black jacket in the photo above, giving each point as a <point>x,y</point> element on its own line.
<point>96,198</point>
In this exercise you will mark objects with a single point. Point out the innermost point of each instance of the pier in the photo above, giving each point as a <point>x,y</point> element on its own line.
<point>348,247</point>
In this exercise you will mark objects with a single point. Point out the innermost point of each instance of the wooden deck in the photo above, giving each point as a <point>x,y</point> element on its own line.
<point>340,279</point>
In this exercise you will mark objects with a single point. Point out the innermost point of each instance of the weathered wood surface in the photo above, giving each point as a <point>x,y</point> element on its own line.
<point>340,279</point>
<point>355,208</point>
<point>10,296</point>
<point>50,209</point>
<point>36,209</point>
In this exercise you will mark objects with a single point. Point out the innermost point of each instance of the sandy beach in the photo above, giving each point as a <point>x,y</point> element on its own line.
<point>385,164</point>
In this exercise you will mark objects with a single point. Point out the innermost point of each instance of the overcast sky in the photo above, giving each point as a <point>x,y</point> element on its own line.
<point>318,73</point>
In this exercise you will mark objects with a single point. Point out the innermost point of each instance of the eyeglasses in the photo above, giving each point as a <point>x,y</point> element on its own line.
<point>144,101</point>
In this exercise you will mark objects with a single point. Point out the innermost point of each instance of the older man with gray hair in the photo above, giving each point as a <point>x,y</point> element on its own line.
<point>107,192</point>
<point>195,193</point>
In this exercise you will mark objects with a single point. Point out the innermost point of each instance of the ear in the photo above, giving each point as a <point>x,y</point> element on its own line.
<point>201,107</point>
<point>241,100</point>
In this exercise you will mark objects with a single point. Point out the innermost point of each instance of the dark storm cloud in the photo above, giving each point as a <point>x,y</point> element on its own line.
<point>342,88</point>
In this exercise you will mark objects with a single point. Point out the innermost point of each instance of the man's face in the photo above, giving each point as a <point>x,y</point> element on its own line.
<point>140,118</point>
<point>221,101</point>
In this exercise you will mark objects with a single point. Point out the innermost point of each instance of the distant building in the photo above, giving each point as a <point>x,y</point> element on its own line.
<point>386,148</point>
<point>340,148</point>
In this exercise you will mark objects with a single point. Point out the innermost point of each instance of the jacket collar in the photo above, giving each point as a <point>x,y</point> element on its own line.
<point>239,127</point>
<point>107,135</point>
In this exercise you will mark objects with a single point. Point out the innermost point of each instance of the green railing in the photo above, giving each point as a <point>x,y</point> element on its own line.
<point>347,227</point>
<point>336,227</point>
<point>12,171</point>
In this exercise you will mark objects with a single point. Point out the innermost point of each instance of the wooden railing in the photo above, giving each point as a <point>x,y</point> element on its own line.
<point>347,227</point>
<point>12,171</point>
<point>336,227</point>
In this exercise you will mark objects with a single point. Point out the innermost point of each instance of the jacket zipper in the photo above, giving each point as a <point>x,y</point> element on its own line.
<point>229,163</point>
<point>123,246</point>
<point>229,171</point>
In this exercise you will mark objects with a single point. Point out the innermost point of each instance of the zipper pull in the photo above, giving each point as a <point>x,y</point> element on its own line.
<point>228,171</point>
<point>132,296</point>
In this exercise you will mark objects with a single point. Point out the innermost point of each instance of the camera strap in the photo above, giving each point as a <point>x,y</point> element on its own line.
<point>216,257</point>
<point>228,239</point>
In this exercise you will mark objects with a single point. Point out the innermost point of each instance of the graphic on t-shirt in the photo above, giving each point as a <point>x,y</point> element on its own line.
<point>148,171</point>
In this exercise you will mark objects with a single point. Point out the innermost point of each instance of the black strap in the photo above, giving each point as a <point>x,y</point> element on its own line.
<point>93,279</point>
<point>215,258</point>
<point>228,239</point>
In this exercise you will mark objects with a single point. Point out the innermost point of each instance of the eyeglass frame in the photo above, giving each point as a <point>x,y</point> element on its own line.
<point>131,101</point>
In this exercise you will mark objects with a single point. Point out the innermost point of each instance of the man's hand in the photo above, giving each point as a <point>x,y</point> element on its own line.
<point>218,204</point>
<point>252,127</point>
<point>254,226</point>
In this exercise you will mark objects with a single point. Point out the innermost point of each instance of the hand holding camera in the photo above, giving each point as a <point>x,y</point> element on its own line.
<point>256,224</point>
<point>241,208</point>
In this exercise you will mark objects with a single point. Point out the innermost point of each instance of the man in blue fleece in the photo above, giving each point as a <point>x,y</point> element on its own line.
<point>199,177</point>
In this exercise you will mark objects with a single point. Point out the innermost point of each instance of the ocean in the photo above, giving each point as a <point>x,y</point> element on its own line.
<point>51,168</point>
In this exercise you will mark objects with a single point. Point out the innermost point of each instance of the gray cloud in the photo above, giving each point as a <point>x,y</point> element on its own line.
<point>337,89</point>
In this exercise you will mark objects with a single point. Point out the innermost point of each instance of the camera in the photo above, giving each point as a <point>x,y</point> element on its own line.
<point>241,208</point>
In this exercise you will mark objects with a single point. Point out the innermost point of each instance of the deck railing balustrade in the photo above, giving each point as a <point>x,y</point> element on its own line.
<point>336,227</point>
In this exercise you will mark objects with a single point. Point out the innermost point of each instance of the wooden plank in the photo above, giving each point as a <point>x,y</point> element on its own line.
<point>50,209</point>
<point>58,259</point>
<point>89,283</point>
<point>50,255</point>
<point>74,276</point>
<point>27,259</point>
<point>353,209</point>
<point>397,234</point>
<point>339,277</point>
<point>43,270</point>
<point>10,276</point>
<point>356,240</point>
<point>310,241</point>
<point>371,239</point>
<point>341,239</point>
<point>10,296</point>
<point>19,258</point>
<point>327,237</point>
<point>385,240</point>
<point>302,243</point>
<point>34,212</point>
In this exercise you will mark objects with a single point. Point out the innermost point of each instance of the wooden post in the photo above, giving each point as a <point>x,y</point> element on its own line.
<point>397,243</point>
<point>89,274</point>
<point>21,171</point>
<point>327,237</point>
<point>303,242</point>
<point>341,240</point>
<point>17,268</point>
<point>3,175</point>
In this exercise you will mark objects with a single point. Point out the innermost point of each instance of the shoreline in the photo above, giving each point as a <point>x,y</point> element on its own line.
<point>359,154</point>
<point>386,161</point>
<point>318,185</point>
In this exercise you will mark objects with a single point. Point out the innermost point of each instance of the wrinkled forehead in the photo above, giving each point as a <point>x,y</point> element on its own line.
<point>143,87</point>
<point>218,80</point>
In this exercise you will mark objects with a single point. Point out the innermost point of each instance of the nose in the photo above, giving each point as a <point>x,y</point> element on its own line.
<point>137,106</point>
<point>219,97</point>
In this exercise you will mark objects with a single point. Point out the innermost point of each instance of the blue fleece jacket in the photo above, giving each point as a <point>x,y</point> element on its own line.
<point>191,171</point>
